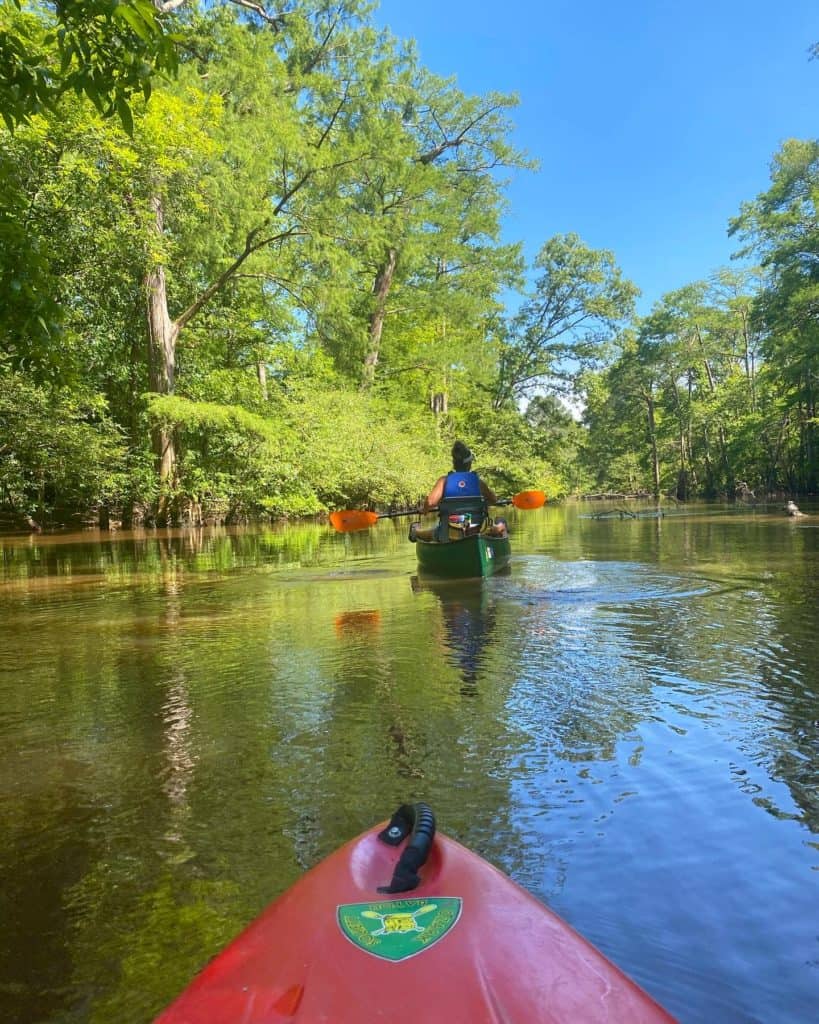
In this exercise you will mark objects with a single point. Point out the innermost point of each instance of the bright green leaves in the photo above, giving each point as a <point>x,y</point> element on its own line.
<point>781,227</point>
<point>250,206</point>
<point>669,413</point>
<point>314,448</point>
<point>25,77</point>
<point>106,50</point>
<point>57,447</point>
<point>423,217</point>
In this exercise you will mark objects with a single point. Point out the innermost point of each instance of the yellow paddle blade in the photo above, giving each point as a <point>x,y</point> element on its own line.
<point>529,499</point>
<point>352,519</point>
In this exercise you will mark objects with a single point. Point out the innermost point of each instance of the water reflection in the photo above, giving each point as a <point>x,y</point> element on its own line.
<point>361,622</point>
<point>468,617</point>
<point>55,561</point>
<point>627,723</point>
<point>177,714</point>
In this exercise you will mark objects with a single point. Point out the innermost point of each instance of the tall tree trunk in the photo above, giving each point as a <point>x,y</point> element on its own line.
<point>261,372</point>
<point>381,290</point>
<point>652,433</point>
<point>163,332</point>
<point>811,467</point>
<point>681,426</point>
<point>438,403</point>
<point>162,335</point>
<point>723,442</point>
<point>748,357</point>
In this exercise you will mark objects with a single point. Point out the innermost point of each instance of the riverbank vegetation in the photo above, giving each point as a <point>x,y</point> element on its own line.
<point>252,264</point>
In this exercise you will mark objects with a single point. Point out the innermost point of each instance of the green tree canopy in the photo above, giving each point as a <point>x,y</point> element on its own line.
<point>564,326</point>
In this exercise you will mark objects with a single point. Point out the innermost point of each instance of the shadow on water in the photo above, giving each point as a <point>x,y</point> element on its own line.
<point>468,617</point>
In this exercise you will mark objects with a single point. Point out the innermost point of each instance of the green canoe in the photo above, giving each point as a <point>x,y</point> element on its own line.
<point>479,555</point>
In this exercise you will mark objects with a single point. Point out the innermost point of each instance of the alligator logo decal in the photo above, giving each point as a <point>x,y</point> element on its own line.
<point>398,929</point>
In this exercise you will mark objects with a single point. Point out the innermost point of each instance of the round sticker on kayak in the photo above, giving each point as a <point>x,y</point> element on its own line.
<point>398,929</point>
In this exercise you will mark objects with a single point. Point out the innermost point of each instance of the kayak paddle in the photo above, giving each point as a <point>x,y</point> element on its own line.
<point>527,500</point>
<point>354,519</point>
<point>351,520</point>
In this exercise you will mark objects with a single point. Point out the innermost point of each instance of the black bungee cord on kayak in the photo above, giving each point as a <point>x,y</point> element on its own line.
<point>419,820</point>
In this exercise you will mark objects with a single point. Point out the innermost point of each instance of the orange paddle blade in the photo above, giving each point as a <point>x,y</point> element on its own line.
<point>352,520</point>
<point>529,499</point>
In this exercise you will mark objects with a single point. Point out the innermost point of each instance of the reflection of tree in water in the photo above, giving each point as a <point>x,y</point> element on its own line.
<point>52,561</point>
<point>468,617</point>
<point>219,746</point>
<point>393,728</point>
<point>365,669</point>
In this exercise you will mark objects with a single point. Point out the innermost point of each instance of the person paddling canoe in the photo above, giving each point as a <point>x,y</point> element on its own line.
<point>462,493</point>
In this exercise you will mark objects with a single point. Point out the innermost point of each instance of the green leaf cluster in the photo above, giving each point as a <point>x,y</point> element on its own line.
<point>58,447</point>
<point>105,50</point>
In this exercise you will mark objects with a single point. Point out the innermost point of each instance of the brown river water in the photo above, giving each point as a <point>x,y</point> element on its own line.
<point>627,723</point>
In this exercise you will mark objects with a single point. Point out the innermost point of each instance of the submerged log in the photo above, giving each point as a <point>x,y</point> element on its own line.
<point>616,496</point>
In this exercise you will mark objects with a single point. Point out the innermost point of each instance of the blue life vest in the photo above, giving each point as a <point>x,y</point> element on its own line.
<point>462,494</point>
<point>462,485</point>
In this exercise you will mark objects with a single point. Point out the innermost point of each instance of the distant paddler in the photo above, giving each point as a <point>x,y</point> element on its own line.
<point>461,484</point>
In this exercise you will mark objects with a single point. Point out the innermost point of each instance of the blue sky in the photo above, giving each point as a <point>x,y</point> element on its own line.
<point>652,121</point>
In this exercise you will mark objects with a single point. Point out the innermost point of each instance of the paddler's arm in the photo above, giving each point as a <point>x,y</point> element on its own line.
<point>489,494</point>
<point>433,499</point>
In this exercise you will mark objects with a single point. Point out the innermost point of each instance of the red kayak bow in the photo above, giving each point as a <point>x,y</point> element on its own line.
<point>429,933</point>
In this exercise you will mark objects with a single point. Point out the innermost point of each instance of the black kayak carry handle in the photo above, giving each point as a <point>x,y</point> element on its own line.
<point>419,820</point>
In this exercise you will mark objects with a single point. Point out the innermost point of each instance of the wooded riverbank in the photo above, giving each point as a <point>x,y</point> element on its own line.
<point>273,284</point>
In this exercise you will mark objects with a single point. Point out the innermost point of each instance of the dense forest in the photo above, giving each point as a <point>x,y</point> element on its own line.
<point>252,264</point>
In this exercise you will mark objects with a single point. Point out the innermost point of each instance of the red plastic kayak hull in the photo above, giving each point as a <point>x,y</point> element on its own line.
<point>467,946</point>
